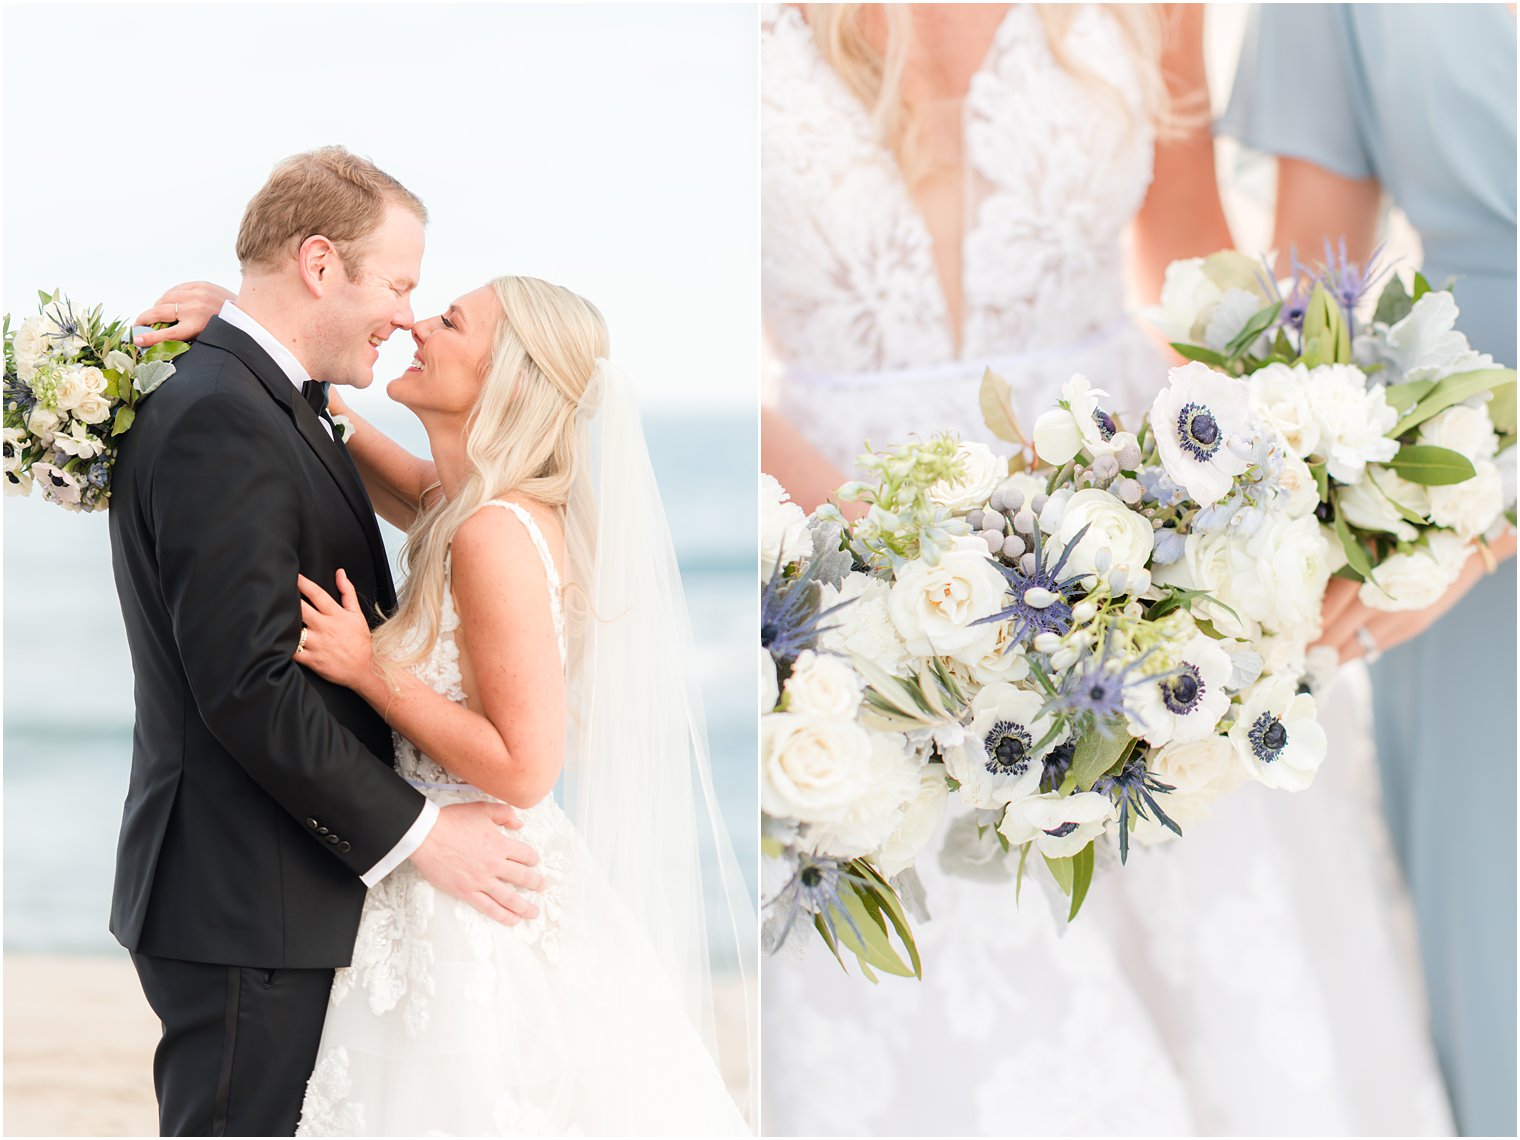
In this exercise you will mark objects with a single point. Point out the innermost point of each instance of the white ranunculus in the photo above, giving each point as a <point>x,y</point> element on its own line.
<point>862,628</point>
<point>935,606</point>
<point>1111,526</point>
<point>823,685</point>
<point>1277,737</point>
<point>1470,507</point>
<point>1056,436</point>
<point>920,820</point>
<point>1195,418</point>
<point>873,817</point>
<point>1466,430</point>
<point>43,424</point>
<point>1370,503</point>
<point>1418,579</point>
<point>1354,420</point>
<point>1186,701</point>
<point>30,345</point>
<point>1208,563</point>
<point>1280,397</point>
<point>997,760</point>
<point>78,441</point>
<point>1229,317</point>
<point>1286,566</point>
<point>982,471</point>
<point>769,692</point>
<point>811,769</point>
<point>1298,481</point>
<point>1425,345</point>
<point>1186,292</point>
<point>784,536</point>
<point>1059,825</point>
<point>1199,772</point>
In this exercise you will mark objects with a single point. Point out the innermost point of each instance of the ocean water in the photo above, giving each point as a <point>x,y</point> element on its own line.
<point>68,680</point>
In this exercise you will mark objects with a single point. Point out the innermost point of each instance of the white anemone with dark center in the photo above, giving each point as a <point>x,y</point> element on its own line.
<point>1002,756</point>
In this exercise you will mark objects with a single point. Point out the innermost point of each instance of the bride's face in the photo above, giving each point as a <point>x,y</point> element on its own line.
<point>452,358</point>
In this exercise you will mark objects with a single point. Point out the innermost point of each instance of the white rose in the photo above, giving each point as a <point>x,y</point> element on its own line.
<point>920,820</point>
<point>68,389</point>
<point>863,628</point>
<point>1058,825</point>
<point>1280,398</point>
<point>999,758</point>
<point>1370,503</point>
<point>812,770</point>
<point>1297,481</point>
<point>1004,662</point>
<point>1467,431</point>
<point>1111,526</point>
<point>1418,579</point>
<point>43,423</point>
<point>1056,437</point>
<point>784,536</point>
<point>1186,292</point>
<point>1470,507</point>
<point>1208,563</point>
<point>935,607</point>
<point>29,346</point>
<point>874,815</point>
<point>1277,737</point>
<point>1286,566</point>
<point>823,685</point>
<point>1199,772</point>
<point>1354,421</point>
<point>981,473</point>
<point>769,693</point>
<point>93,409</point>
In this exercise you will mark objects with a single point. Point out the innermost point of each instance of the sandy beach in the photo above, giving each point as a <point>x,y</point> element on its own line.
<point>79,1042</point>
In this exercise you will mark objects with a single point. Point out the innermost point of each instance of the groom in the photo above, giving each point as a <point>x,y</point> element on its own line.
<point>263,801</point>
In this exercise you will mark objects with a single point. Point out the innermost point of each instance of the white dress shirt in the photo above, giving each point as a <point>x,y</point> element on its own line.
<point>298,375</point>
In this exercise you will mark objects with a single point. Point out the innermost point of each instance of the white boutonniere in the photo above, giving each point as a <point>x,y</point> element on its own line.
<point>343,430</point>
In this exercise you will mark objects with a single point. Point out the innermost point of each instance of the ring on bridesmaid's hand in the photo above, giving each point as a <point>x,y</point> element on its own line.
<point>176,311</point>
<point>1369,645</point>
<point>301,644</point>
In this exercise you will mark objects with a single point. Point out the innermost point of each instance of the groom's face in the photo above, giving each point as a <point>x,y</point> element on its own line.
<point>368,302</point>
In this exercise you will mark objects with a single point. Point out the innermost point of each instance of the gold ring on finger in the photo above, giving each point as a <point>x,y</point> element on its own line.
<point>301,644</point>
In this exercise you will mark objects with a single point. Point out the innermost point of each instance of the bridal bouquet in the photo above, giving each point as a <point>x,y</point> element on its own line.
<point>1091,638</point>
<point>72,385</point>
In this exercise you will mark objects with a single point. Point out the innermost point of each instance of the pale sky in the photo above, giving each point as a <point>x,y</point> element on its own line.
<point>609,148</point>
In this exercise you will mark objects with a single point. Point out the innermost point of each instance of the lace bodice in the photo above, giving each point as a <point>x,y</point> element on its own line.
<point>440,669</point>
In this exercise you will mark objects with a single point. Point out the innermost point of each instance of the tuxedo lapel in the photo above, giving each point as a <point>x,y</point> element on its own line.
<point>332,454</point>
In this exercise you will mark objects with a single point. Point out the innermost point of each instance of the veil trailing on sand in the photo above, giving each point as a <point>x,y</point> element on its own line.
<point>638,777</point>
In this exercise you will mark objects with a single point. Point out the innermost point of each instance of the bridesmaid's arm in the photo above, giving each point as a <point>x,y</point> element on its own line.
<point>1181,216</point>
<point>799,467</point>
<point>399,483</point>
<point>513,747</point>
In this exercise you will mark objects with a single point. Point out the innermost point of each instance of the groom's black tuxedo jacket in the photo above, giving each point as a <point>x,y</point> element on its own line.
<point>259,792</point>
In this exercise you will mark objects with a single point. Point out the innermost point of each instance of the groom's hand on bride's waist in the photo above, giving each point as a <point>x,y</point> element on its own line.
<point>467,856</point>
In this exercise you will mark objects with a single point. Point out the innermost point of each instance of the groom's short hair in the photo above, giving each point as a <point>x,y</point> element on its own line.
<point>327,191</point>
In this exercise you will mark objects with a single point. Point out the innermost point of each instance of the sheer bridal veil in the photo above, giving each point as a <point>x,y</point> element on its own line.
<point>638,777</point>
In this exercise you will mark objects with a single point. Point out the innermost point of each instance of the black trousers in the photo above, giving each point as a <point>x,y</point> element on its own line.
<point>238,1045</point>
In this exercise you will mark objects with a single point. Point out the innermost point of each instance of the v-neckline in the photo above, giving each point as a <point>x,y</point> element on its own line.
<point>954,336</point>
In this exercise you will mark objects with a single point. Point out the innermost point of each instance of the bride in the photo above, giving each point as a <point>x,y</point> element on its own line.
<point>946,189</point>
<point>541,629</point>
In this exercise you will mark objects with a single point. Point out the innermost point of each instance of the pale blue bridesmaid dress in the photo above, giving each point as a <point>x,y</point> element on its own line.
<point>1422,98</point>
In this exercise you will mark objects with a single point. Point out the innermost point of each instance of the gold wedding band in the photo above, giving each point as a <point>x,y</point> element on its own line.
<point>176,311</point>
<point>301,644</point>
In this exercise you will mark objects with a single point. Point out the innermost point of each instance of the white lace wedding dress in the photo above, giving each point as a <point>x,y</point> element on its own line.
<point>1253,978</point>
<point>448,1023</point>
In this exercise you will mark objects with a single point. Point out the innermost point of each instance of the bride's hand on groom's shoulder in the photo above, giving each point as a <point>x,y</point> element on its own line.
<point>186,309</point>
<point>335,639</point>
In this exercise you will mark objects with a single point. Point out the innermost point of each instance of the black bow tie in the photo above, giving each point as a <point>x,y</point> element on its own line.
<point>314,392</point>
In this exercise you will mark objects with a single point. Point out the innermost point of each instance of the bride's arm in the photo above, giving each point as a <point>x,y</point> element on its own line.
<point>799,467</point>
<point>396,479</point>
<point>514,747</point>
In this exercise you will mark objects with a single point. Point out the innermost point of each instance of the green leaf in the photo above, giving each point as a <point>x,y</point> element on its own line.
<point>124,418</point>
<point>1356,554</point>
<point>1421,286</point>
<point>1453,390</point>
<point>1202,355</point>
<point>1082,873</point>
<point>1018,882</point>
<point>887,902</point>
<point>1063,871</point>
<point>1432,466</point>
<point>1401,397</point>
<point>1259,323</point>
<point>150,374</point>
<point>1321,481</point>
<point>1501,409</point>
<point>1409,515</point>
<point>1095,754</point>
<point>1394,304</point>
<point>166,350</point>
<point>996,400</point>
<point>868,937</point>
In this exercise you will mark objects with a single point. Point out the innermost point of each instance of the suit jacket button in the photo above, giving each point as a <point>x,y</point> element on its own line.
<point>321,831</point>
<point>343,848</point>
<point>311,823</point>
<point>332,839</point>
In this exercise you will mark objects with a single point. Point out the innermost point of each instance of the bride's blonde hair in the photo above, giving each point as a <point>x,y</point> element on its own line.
<point>520,438</point>
<point>875,76</point>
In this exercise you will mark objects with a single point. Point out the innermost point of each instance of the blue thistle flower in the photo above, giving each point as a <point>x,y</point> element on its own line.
<point>1134,788</point>
<point>1092,692</point>
<point>815,887</point>
<point>1030,620</point>
<point>790,620</point>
